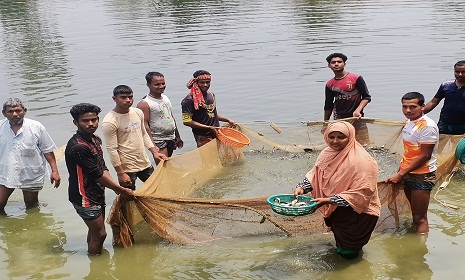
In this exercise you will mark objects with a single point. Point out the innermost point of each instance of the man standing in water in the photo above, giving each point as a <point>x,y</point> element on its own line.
<point>126,140</point>
<point>25,146</point>
<point>418,166</point>
<point>159,121</point>
<point>199,109</point>
<point>452,117</point>
<point>346,95</point>
<point>88,175</point>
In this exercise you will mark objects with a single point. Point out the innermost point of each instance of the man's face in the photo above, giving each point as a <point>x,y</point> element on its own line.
<point>337,64</point>
<point>204,84</point>
<point>459,73</point>
<point>15,115</point>
<point>411,109</point>
<point>124,100</point>
<point>87,123</point>
<point>157,85</point>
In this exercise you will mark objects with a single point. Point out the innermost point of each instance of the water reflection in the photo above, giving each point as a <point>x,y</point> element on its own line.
<point>148,259</point>
<point>100,267</point>
<point>452,221</point>
<point>406,257</point>
<point>358,269</point>
<point>33,245</point>
<point>35,55</point>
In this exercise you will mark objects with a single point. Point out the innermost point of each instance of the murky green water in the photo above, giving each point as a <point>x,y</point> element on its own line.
<point>268,64</point>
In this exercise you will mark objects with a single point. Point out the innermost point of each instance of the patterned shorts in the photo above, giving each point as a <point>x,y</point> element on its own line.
<point>27,189</point>
<point>170,144</point>
<point>202,140</point>
<point>423,182</point>
<point>31,189</point>
<point>89,213</point>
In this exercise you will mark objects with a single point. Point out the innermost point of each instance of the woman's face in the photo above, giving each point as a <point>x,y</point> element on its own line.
<point>337,140</point>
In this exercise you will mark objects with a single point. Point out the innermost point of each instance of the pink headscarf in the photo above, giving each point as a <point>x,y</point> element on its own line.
<point>350,173</point>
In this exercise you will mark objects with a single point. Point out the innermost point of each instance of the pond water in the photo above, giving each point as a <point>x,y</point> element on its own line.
<point>267,59</point>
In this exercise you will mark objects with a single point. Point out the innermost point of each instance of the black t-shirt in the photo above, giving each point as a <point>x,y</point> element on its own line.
<point>344,95</point>
<point>201,115</point>
<point>85,163</point>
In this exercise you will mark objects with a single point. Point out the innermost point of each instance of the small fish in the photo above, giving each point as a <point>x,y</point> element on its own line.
<point>278,201</point>
<point>293,203</point>
<point>300,204</point>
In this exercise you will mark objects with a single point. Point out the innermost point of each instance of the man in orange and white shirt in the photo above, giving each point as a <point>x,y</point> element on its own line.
<point>418,166</point>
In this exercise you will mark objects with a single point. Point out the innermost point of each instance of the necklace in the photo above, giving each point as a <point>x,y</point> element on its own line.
<point>210,108</point>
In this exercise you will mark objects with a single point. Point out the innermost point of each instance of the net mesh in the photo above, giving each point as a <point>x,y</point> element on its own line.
<point>199,196</point>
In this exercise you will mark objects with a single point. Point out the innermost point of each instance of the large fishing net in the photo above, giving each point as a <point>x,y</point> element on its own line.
<point>217,191</point>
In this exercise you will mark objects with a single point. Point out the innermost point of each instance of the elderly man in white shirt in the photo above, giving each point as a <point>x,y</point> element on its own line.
<point>25,146</point>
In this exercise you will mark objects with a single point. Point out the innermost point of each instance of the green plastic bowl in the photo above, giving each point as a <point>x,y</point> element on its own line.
<point>291,210</point>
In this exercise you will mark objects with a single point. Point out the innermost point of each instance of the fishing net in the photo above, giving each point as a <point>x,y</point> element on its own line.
<point>218,191</point>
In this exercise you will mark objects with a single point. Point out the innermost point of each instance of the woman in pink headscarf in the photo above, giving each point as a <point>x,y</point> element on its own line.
<point>344,185</point>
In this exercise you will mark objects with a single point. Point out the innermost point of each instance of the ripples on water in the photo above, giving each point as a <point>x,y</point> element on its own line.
<point>268,64</point>
<point>267,57</point>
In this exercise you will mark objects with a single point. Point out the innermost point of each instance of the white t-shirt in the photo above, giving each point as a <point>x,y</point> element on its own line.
<point>421,131</point>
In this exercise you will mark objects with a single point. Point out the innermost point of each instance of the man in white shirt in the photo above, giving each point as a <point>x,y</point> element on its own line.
<point>418,167</point>
<point>25,146</point>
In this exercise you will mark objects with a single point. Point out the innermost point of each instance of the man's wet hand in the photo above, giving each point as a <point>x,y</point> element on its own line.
<point>55,179</point>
